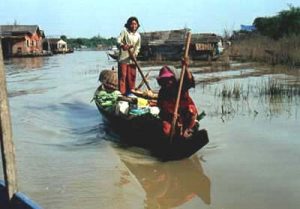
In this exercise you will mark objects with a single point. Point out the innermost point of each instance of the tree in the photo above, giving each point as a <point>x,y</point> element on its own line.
<point>63,37</point>
<point>287,22</point>
<point>290,20</point>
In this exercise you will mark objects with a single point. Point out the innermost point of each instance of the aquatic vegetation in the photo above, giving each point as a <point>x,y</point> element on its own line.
<point>235,91</point>
<point>273,87</point>
<point>270,87</point>
<point>267,95</point>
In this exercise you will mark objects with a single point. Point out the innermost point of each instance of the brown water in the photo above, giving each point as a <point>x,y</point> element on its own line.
<point>65,157</point>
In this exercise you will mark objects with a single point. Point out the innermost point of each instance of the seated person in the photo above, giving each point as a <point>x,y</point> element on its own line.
<point>187,111</point>
<point>107,94</point>
<point>108,80</point>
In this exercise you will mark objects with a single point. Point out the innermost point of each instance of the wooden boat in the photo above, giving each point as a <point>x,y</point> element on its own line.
<point>113,55</point>
<point>146,131</point>
<point>19,200</point>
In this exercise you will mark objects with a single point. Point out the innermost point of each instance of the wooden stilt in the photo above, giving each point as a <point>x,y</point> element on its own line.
<point>7,146</point>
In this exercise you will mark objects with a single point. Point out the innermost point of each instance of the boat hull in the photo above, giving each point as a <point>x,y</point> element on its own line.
<point>146,131</point>
<point>114,56</point>
<point>18,201</point>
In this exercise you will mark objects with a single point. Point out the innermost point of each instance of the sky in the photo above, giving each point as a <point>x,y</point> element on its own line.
<point>88,18</point>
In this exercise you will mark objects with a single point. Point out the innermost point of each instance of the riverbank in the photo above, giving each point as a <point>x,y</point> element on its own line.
<point>258,48</point>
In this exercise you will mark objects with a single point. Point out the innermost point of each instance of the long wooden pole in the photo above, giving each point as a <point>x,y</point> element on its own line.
<point>175,116</point>
<point>139,69</point>
<point>142,81</point>
<point>7,146</point>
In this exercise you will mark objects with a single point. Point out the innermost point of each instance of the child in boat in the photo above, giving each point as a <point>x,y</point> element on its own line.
<point>168,79</point>
<point>107,93</point>
<point>129,39</point>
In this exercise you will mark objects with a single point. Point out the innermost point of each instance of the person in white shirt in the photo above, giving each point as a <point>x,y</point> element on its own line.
<point>129,39</point>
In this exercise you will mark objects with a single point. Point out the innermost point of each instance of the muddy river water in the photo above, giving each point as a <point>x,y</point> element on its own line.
<point>66,160</point>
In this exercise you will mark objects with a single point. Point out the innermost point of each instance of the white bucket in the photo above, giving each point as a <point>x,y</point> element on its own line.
<point>122,107</point>
<point>154,110</point>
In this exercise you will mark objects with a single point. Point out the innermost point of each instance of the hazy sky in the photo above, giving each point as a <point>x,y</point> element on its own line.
<point>106,18</point>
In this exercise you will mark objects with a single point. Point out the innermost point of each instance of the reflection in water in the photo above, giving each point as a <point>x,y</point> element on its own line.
<point>171,184</point>
<point>28,62</point>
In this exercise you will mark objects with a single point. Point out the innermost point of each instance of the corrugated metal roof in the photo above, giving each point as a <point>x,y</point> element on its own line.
<point>205,38</point>
<point>9,30</point>
<point>164,37</point>
<point>53,40</point>
<point>248,28</point>
<point>175,37</point>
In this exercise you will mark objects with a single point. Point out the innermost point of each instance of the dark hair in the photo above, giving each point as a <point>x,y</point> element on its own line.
<point>129,21</point>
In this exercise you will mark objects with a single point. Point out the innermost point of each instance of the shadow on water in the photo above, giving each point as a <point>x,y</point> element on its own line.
<point>28,92</point>
<point>87,132</point>
<point>168,185</point>
<point>84,122</point>
<point>76,121</point>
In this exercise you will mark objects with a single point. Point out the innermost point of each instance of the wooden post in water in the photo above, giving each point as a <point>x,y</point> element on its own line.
<point>7,146</point>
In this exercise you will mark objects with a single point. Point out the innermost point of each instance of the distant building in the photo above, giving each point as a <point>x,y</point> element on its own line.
<point>58,46</point>
<point>168,45</point>
<point>162,45</point>
<point>206,46</point>
<point>22,40</point>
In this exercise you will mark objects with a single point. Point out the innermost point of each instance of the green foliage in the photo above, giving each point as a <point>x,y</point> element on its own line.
<point>286,23</point>
<point>268,26</point>
<point>94,42</point>
<point>63,37</point>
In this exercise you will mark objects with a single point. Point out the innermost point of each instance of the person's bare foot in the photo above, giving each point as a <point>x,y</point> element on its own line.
<point>187,133</point>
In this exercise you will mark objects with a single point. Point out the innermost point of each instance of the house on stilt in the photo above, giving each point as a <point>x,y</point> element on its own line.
<point>23,41</point>
<point>59,46</point>
<point>168,45</point>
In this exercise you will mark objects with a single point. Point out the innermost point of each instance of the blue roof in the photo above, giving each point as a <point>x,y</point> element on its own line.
<point>248,28</point>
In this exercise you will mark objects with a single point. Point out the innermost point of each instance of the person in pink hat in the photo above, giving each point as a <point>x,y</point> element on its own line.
<point>168,80</point>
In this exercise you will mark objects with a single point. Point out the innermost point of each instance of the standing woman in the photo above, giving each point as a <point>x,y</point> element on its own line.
<point>129,39</point>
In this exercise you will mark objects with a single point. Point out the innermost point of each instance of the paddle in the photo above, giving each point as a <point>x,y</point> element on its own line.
<point>139,69</point>
<point>175,116</point>
<point>142,81</point>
